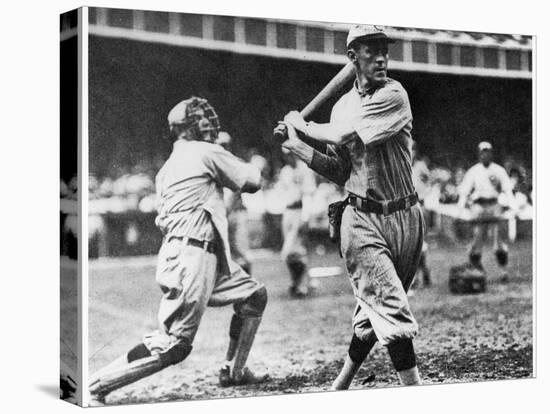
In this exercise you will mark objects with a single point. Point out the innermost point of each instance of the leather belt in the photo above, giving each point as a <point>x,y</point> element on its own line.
<point>294,206</point>
<point>483,201</point>
<point>385,207</point>
<point>210,247</point>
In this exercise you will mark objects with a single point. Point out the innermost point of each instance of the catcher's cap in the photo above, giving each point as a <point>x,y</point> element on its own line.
<point>484,145</point>
<point>179,114</point>
<point>186,110</point>
<point>367,32</point>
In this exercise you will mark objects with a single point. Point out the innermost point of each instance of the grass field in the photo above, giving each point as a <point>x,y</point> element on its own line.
<point>302,343</point>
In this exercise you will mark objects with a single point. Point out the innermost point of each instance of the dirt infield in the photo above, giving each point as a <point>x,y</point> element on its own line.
<point>302,343</point>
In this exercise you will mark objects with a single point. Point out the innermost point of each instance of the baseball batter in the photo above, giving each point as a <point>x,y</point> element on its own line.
<point>298,184</point>
<point>482,187</point>
<point>382,229</point>
<point>194,269</point>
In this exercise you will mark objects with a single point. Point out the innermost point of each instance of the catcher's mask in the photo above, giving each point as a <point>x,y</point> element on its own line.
<point>196,118</point>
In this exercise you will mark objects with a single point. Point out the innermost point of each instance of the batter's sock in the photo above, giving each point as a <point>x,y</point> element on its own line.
<point>404,361</point>
<point>410,376</point>
<point>357,353</point>
<point>346,375</point>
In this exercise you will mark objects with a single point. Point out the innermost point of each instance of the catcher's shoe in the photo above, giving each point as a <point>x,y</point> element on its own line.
<point>225,376</point>
<point>246,378</point>
<point>96,400</point>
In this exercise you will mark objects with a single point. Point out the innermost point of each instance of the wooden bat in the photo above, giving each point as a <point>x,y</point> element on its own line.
<point>330,89</point>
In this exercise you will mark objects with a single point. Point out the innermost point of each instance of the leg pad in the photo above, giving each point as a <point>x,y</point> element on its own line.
<point>254,305</point>
<point>175,354</point>
<point>138,352</point>
<point>235,327</point>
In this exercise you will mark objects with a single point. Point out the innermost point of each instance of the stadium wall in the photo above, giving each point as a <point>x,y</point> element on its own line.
<point>134,84</point>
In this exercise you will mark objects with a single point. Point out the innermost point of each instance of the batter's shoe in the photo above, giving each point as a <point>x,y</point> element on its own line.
<point>247,378</point>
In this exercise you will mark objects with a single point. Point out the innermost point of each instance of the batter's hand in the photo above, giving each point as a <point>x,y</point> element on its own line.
<point>293,140</point>
<point>296,120</point>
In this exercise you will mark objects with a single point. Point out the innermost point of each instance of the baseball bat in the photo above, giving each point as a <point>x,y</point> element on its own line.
<point>330,89</point>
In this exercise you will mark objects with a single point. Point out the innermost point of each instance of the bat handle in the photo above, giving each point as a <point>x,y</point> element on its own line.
<point>280,134</point>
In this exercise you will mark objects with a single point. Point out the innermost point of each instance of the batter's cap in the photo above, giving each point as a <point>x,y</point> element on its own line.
<point>367,32</point>
<point>484,145</point>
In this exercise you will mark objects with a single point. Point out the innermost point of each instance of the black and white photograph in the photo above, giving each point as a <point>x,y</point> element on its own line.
<point>69,226</point>
<point>281,206</point>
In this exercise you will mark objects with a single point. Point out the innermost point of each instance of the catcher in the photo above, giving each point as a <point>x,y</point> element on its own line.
<point>194,269</point>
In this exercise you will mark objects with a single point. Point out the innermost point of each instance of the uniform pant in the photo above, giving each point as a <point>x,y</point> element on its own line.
<point>237,222</point>
<point>294,251</point>
<point>491,213</point>
<point>192,279</point>
<point>382,255</point>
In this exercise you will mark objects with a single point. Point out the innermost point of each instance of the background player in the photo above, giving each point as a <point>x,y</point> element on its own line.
<point>421,181</point>
<point>194,267</point>
<point>237,217</point>
<point>487,191</point>
<point>298,184</point>
<point>382,226</point>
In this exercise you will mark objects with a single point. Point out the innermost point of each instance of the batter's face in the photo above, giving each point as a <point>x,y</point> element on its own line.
<point>371,61</point>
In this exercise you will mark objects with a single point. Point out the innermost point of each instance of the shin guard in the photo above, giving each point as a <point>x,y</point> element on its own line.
<point>244,344</point>
<point>118,376</point>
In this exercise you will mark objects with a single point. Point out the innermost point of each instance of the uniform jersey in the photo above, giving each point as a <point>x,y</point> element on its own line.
<point>482,182</point>
<point>190,189</point>
<point>381,152</point>
<point>381,251</point>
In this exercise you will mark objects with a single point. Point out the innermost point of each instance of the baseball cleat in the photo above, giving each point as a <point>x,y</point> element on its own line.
<point>96,400</point>
<point>224,377</point>
<point>246,378</point>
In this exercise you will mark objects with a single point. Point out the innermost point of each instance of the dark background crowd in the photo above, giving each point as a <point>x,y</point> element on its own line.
<point>130,98</point>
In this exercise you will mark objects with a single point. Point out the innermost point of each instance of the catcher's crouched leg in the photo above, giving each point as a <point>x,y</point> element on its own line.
<point>139,363</point>
<point>242,331</point>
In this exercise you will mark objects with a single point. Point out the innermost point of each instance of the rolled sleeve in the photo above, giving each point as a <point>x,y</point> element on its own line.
<point>231,172</point>
<point>383,115</point>
<point>334,165</point>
